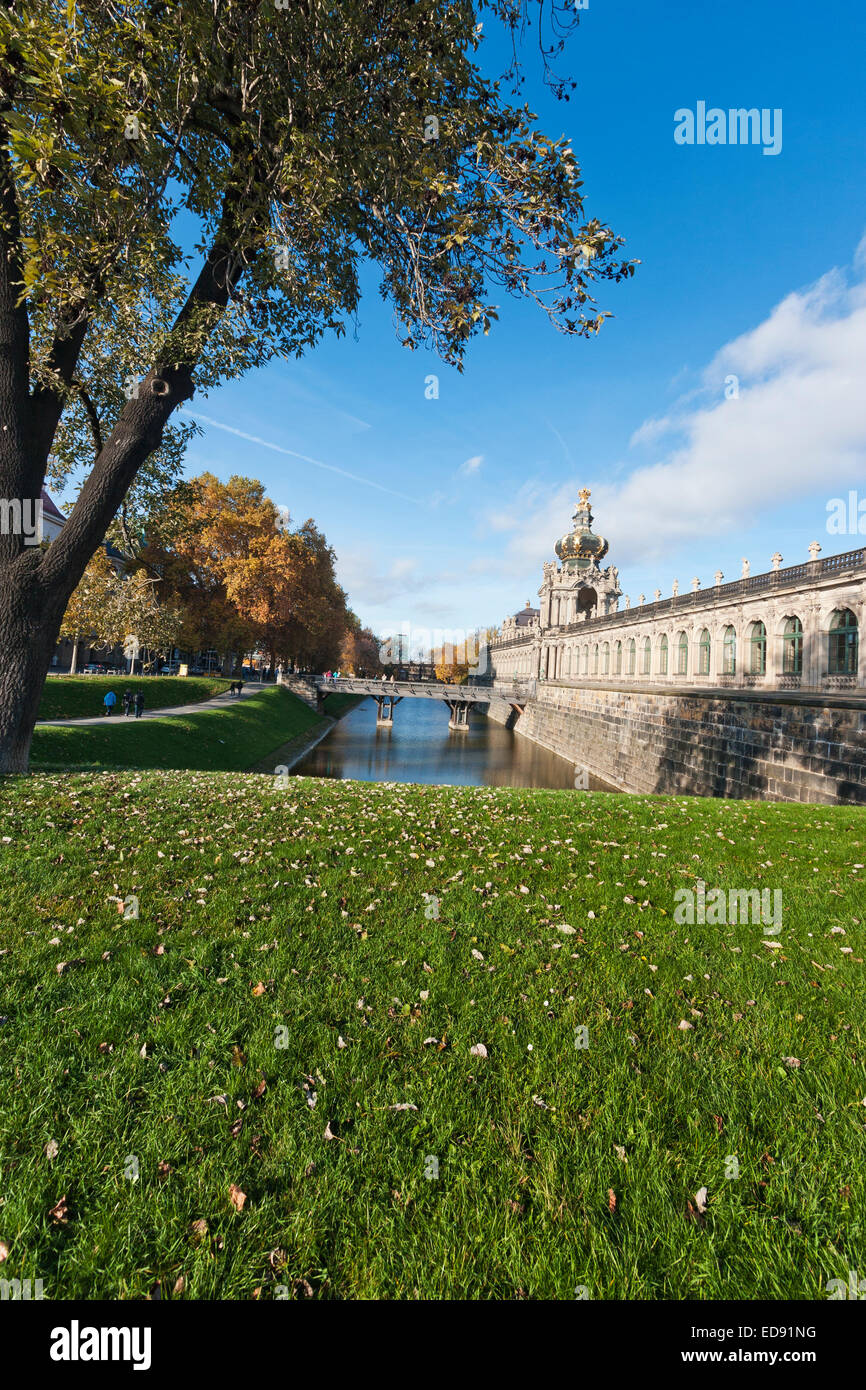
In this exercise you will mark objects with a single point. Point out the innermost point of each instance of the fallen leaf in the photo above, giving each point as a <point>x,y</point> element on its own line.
<point>52,1149</point>
<point>478,1050</point>
<point>237,1197</point>
<point>59,1213</point>
<point>259,988</point>
<point>198,1230</point>
<point>4,1251</point>
<point>701,1198</point>
<point>611,1199</point>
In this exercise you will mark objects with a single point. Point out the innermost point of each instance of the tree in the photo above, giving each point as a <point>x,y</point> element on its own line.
<point>359,649</point>
<point>93,614</point>
<point>302,140</point>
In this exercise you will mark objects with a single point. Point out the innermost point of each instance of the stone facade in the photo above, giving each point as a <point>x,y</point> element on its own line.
<point>774,747</point>
<point>793,628</point>
<point>751,688</point>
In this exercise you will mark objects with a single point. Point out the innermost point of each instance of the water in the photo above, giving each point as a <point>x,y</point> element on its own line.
<point>420,748</point>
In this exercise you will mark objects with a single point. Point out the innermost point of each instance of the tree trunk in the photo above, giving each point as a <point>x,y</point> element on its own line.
<point>28,634</point>
<point>73,664</point>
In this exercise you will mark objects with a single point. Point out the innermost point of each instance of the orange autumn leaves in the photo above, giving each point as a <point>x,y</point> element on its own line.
<point>245,579</point>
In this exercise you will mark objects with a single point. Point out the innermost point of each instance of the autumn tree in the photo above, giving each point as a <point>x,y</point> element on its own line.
<point>301,141</point>
<point>359,649</point>
<point>93,615</point>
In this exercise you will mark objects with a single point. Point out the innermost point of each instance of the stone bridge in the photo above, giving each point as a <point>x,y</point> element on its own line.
<point>388,694</point>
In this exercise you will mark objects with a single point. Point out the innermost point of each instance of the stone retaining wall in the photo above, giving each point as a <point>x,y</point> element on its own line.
<point>738,746</point>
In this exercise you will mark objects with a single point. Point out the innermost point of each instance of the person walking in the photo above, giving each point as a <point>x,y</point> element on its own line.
<point>127,703</point>
<point>110,701</point>
<point>240,685</point>
<point>139,704</point>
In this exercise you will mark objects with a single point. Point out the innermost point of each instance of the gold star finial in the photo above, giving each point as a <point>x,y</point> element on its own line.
<point>584,495</point>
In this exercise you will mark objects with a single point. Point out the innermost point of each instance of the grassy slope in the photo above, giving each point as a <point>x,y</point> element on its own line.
<point>228,739</point>
<point>316,891</point>
<point>80,697</point>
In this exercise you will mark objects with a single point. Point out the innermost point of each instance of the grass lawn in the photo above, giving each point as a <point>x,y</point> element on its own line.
<point>80,697</point>
<point>263,1084</point>
<point>228,739</point>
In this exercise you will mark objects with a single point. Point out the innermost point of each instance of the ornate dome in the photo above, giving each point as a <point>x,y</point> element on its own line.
<point>581,546</point>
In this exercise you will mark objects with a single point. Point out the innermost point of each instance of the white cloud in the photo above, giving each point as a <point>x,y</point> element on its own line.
<point>797,426</point>
<point>471,466</point>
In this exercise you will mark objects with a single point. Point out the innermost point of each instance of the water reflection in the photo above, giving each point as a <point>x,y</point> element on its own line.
<point>420,748</point>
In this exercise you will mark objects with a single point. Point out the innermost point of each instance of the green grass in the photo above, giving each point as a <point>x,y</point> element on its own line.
<point>80,697</point>
<point>275,922</point>
<point>228,739</point>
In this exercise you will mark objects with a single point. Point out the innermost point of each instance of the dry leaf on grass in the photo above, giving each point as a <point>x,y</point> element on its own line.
<point>237,1197</point>
<point>611,1199</point>
<point>59,1213</point>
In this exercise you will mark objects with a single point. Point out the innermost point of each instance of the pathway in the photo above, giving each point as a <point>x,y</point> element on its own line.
<point>216,702</point>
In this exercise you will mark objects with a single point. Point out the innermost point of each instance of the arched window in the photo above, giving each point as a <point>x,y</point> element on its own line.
<point>617,659</point>
<point>605,659</point>
<point>586,660</point>
<point>567,671</point>
<point>843,643</point>
<point>647,657</point>
<point>729,652</point>
<point>663,655</point>
<point>792,647</point>
<point>631,661</point>
<point>595,660</point>
<point>704,653</point>
<point>682,655</point>
<point>758,647</point>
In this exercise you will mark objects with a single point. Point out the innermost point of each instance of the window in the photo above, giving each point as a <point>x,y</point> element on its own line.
<point>647,658</point>
<point>792,647</point>
<point>586,661</point>
<point>682,655</point>
<point>729,652</point>
<point>617,659</point>
<point>843,643</point>
<point>605,659</point>
<point>595,660</point>
<point>758,647</point>
<point>663,656</point>
<point>704,653</point>
<point>632,657</point>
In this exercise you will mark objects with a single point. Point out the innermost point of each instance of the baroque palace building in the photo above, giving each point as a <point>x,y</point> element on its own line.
<point>791,628</point>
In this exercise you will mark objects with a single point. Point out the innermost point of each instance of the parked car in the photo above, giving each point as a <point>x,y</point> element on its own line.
<point>94,670</point>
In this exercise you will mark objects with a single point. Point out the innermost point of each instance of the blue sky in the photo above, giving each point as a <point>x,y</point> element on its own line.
<point>750,267</point>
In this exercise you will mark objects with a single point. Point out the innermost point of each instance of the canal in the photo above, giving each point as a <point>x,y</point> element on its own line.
<point>420,748</point>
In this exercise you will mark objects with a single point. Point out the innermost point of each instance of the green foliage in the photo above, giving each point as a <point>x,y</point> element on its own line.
<point>299,143</point>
